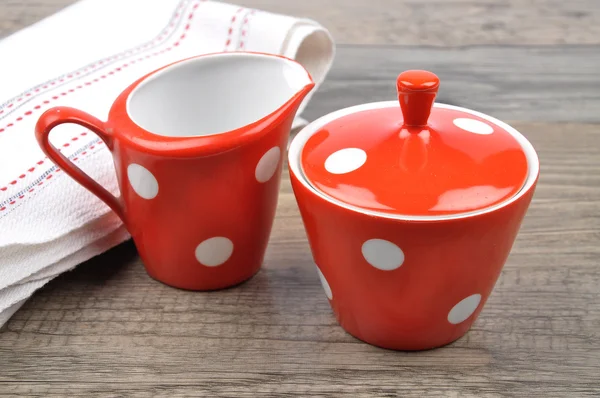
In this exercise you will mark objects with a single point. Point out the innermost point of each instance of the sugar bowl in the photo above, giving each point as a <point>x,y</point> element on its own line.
<point>411,209</point>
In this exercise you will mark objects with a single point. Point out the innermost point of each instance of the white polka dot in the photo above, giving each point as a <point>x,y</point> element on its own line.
<point>473,126</point>
<point>345,160</point>
<point>267,165</point>
<point>214,251</point>
<point>325,284</point>
<point>382,254</point>
<point>464,309</point>
<point>142,181</point>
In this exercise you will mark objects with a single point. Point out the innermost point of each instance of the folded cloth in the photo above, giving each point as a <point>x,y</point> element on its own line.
<point>84,56</point>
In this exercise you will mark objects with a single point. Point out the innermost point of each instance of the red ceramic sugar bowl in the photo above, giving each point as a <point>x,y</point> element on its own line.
<point>197,148</point>
<point>411,209</point>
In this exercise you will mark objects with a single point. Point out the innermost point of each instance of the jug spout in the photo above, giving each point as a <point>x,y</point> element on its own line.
<point>219,93</point>
<point>273,88</point>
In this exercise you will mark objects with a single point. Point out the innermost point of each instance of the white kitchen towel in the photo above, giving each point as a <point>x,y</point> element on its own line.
<point>84,56</point>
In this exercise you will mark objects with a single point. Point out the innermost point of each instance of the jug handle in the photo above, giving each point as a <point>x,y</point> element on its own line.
<point>60,115</point>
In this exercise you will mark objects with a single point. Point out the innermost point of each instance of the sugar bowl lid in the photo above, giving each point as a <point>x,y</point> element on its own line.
<point>415,158</point>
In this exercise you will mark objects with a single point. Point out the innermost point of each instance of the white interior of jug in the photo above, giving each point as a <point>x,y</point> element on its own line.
<point>214,93</point>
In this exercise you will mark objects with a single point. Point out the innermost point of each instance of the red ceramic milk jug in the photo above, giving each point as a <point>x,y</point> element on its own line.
<point>197,148</point>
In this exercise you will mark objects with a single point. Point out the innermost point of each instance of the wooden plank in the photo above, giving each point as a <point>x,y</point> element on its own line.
<point>17,14</point>
<point>445,23</point>
<point>275,335</point>
<point>550,84</point>
<point>450,23</point>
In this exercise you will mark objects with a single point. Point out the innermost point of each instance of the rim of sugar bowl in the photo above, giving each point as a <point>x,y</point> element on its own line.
<point>298,142</point>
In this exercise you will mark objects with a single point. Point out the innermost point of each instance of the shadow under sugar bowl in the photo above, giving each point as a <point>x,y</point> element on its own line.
<point>197,148</point>
<point>411,208</point>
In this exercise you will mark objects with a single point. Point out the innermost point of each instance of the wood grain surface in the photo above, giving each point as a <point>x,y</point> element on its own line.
<point>445,23</point>
<point>528,83</point>
<point>107,329</point>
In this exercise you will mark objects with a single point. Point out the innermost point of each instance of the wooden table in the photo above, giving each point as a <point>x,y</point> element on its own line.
<point>108,329</point>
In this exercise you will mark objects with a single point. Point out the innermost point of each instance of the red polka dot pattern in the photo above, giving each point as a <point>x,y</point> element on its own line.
<point>431,170</point>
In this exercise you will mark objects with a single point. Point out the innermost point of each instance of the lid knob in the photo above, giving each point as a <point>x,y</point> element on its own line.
<point>416,92</point>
